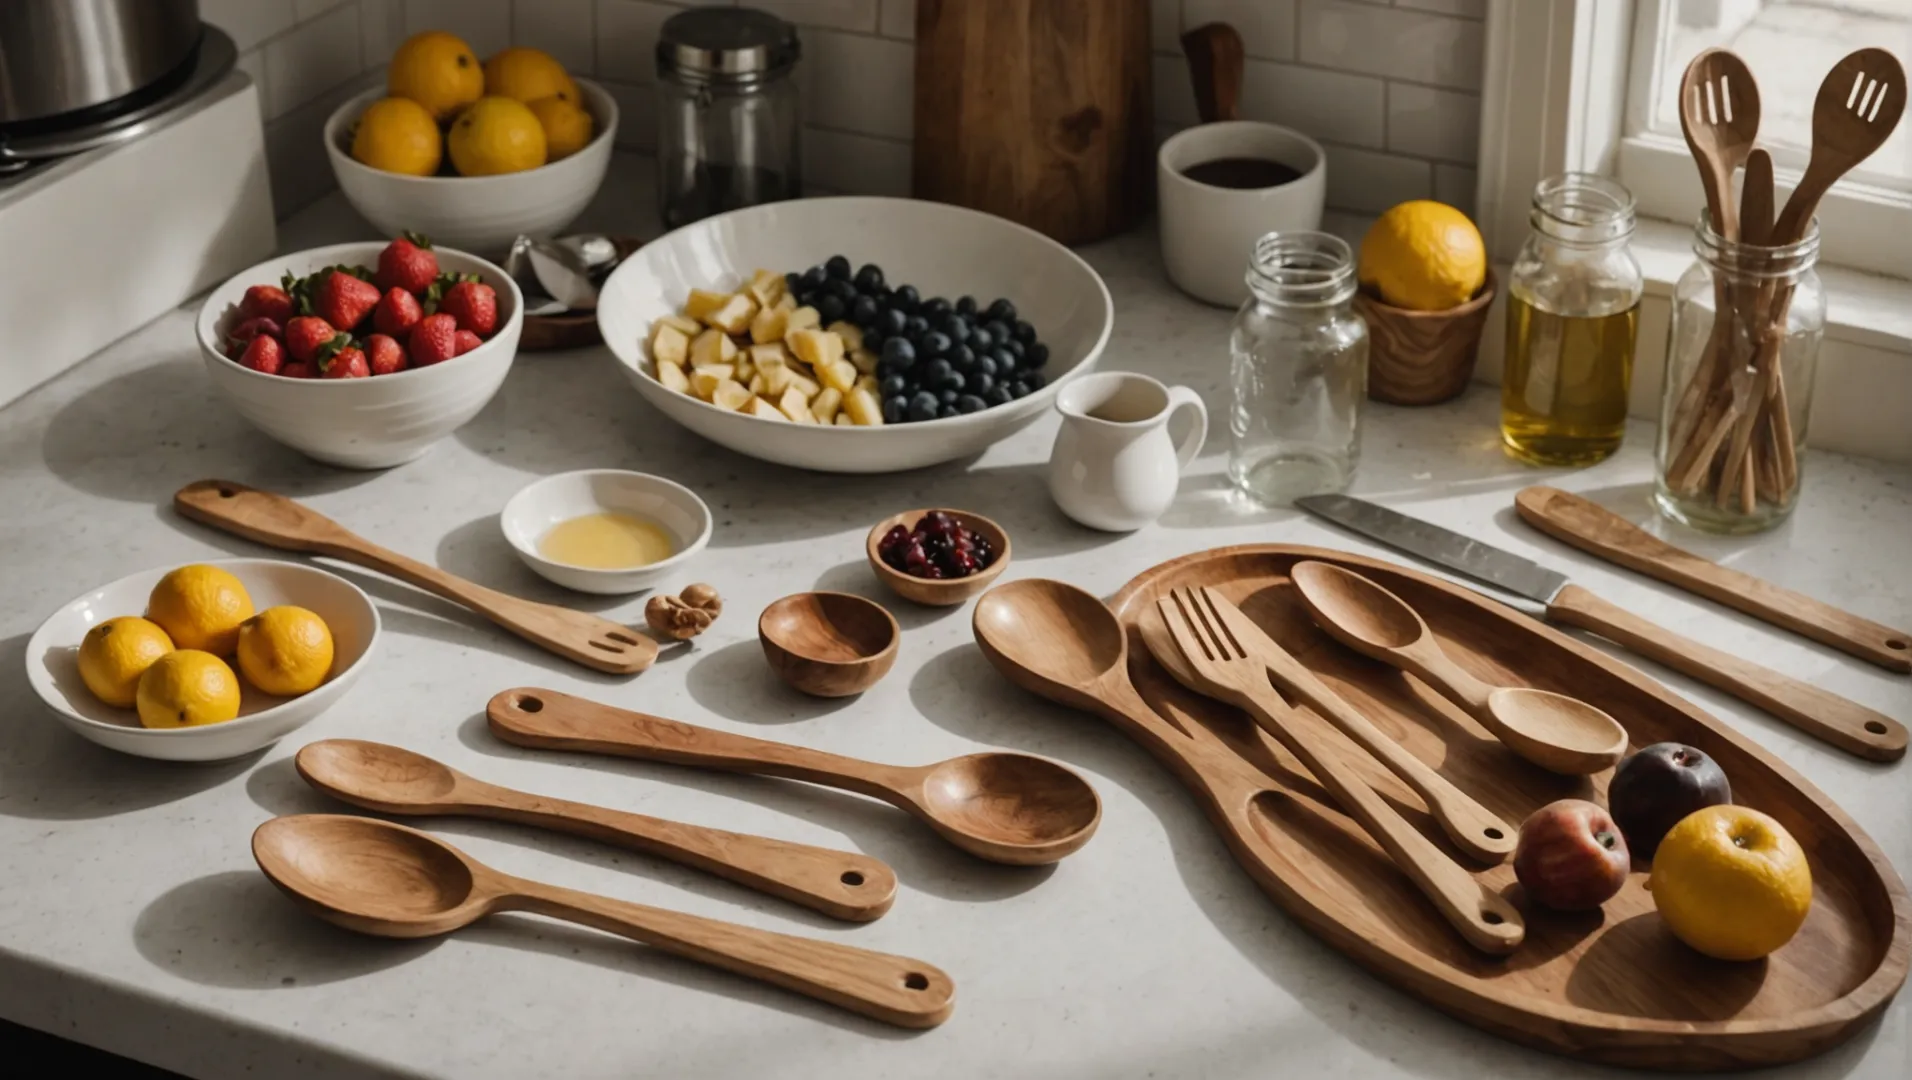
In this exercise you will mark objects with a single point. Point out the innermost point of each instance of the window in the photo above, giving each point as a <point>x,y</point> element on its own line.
<point>1790,45</point>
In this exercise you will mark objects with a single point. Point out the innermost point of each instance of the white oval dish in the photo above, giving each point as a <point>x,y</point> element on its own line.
<point>943,250</point>
<point>53,662</point>
<point>540,505</point>
<point>370,423</point>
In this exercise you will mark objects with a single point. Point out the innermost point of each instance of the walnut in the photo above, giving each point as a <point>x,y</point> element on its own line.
<point>684,617</point>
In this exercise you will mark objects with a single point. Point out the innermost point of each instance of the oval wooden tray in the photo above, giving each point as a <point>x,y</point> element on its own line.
<point>1612,986</point>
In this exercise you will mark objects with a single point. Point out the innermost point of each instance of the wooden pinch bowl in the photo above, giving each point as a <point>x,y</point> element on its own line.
<point>828,644</point>
<point>950,591</point>
<point>1423,357</point>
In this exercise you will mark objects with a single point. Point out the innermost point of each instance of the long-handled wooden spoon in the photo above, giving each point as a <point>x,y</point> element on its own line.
<point>384,879</point>
<point>393,780</point>
<point>1007,808</point>
<point>1215,63</point>
<point>1554,731</point>
<point>265,518</point>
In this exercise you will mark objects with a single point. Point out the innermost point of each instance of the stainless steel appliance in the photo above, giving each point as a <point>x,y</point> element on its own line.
<point>68,56</point>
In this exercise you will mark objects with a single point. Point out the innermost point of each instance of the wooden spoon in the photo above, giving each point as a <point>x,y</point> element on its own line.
<point>384,879</point>
<point>1215,61</point>
<point>1007,808</point>
<point>1554,731</point>
<point>265,518</point>
<point>1859,104</point>
<point>393,780</point>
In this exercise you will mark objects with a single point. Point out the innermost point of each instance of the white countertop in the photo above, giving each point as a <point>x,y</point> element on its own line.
<point>132,917</point>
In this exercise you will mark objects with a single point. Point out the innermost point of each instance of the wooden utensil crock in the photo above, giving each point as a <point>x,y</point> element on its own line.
<point>1036,110</point>
<point>1423,357</point>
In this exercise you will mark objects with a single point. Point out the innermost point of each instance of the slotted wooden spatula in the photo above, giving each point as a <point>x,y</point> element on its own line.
<point>275,520</point>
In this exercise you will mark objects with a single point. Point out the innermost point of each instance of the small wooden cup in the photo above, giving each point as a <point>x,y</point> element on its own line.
<point>1423,357</point>
<point>828,644</point>
<point>947,592</point>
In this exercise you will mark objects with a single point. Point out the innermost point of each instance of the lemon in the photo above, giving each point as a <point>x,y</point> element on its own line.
<point>567,127</point>
<point>200,607</point>
<point>285,650</point>
<point>1424,256</point>
<point>526,74</point>
<point>398,135</point>
<point>496,135</point>
<point>437,70</point>
<point>114,654</point>
<point>1731,882</point>
<point>187,688</point>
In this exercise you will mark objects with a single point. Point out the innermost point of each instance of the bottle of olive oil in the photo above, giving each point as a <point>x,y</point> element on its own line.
<point>1563,398</point>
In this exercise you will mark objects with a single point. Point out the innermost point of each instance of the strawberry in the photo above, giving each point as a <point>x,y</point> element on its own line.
<point>407,263</point>
<point>243,334</point>
<point>264,354</point>
<point>467,341</point>
<point>305,334</point>
<point>347,363</point>
<point>397,312</point>
<point>266,302</point>
<point>474,305</point>
<point>385,355</point>
<point>343,300</point>
<point>434,340</point>
<point>295,369</point>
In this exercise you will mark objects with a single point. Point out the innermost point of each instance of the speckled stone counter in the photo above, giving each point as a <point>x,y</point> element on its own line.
<point>132,918</point>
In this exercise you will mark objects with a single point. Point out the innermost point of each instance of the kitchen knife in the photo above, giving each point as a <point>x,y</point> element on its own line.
<point>1846,724</point>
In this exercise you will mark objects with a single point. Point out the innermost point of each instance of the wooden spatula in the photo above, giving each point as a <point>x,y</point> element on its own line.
<point>265,518</point>
<point>1215,54</point>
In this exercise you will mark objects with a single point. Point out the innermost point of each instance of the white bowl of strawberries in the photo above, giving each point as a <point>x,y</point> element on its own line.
<point>362,355</point>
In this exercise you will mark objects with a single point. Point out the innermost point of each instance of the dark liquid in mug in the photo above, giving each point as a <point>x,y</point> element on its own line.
<point>1243,173</point>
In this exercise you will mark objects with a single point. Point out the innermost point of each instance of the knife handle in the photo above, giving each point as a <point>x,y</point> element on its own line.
<point>1595,529</point>
<point>1846,724</point>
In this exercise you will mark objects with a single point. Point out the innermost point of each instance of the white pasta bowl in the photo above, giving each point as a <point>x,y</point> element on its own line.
<point>943,250</point>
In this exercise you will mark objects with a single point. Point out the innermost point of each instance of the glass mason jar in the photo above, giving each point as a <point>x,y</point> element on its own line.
<point>1739,389</point>
<point>1300,370</point>
<point>1573,311</point>
<point>727,118</point>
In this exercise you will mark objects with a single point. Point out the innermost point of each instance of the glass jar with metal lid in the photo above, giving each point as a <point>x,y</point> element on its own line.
<point>727,118</point>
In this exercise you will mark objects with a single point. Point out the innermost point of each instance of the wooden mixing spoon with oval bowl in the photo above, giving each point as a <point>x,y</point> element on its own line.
<point>394,780</point>
<point>1556,732</point>
<point>1007,808</point>
<point>381,878</point>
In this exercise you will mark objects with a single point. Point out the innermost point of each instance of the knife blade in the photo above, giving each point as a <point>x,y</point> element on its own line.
<point>1843,723</point>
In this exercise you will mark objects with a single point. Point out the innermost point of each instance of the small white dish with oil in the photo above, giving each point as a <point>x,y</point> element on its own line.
<point>603,530</point>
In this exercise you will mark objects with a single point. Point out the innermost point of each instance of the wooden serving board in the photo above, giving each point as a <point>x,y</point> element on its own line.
<point>1613,986</point>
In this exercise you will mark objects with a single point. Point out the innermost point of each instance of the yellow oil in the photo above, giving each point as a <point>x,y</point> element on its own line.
<point>1563,392</point>
<point>606,541</point>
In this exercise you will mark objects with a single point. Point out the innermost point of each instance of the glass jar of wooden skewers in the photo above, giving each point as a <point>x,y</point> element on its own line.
<point>1741,355</point>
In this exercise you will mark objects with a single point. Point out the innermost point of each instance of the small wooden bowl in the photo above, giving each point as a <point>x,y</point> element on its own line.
<point>948,592</point>
<point>828,644</point>
<point>1423,357</point>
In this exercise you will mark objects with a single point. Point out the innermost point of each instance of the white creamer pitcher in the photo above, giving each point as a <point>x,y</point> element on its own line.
<point>1114,465</point>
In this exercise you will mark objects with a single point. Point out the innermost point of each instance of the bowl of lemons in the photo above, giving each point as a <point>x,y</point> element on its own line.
<point>202,662</point>
<point>469,152</point>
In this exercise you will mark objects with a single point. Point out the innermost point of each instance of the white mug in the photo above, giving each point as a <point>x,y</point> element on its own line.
<point>1113,466</point>
<point>1209,232</point>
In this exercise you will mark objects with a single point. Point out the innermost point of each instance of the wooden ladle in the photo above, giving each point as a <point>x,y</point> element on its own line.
<point>384,879</point>
<point>265,518</point>
<point>1007,808</point>
<point>394,780</point>
<point>1554,731</point>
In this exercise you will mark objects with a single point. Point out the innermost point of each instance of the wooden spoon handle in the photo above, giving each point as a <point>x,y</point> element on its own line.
<point>1593,528</point>
<point>840,884</point>
<point>893,989</point>
<point>1215,61</point>
<point>1846,724</point>
<point>547,719</point>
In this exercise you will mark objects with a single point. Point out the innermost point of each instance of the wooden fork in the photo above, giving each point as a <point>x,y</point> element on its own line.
<point>265,518</point>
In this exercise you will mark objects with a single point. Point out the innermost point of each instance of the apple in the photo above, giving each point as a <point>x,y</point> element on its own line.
<point>1571,856</point>
<point>1655,788</point>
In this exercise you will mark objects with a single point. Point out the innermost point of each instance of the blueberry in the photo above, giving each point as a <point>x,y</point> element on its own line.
<point>947,397</point>
<point>841,289</point>
<point>1014,348</point>
<point>998,329</point>
<point>1023,332</point>
<point>934,372</point>
<point>956,327</point>
<point>966,306</point>
<point>998,395</point>
<point>1019,390</point>
<point>981,340</point>
<point>949,412</point>
<point>896,409</point>
<point>839,267</point>
<point>936,344</point>
<point>1034,380</point>
<point>813,277</point>
<point>924,406</point>
<point>986,365</point>
<point>935,308</point>
<point>915,327</point>
<point>899,351</point>
<point>955,380</point>
<point>1037,356</point>
<point>906,297</point>
<point>1005,360</point>
<point>963,358</point>
<point>893,386</point>
<point>791,280</point>
<point>970,403</point>
<point>870,278</point>
<point>830,308</point>
<point>889,322</point>
<point>863,312</point>
<point>1000,311</point>
<point>981,383</point>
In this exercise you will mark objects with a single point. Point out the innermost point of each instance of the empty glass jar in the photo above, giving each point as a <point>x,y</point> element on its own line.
<point>1300,370</point>
<point>726,112</point>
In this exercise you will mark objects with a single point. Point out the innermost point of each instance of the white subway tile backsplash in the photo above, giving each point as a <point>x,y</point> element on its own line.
<point>1433,123</point>
<point>563,28</point>
<point>484,24</point>
<point>1467,9</point>
<point>1454,185</point>
<point>858,15</point>
<point>295,146</point>
<point>636,115</point>
<point>310,9</point>
<point>1174,93</point>
<point>253,63</point>
<point>1364,180</point>
<point>858,84</point>
<point>1267,27</point>
<point>1396,43</point>
<point>249,22</point>
<point>627,38</point>
<point>899,19</point>
<point>856,164</point>
<point>381,30</point>
<point>312,58</point>
<point>1324,104</point>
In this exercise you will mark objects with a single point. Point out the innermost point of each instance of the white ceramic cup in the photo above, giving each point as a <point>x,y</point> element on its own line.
<point>1114,466</point>
<point>1209,232</point>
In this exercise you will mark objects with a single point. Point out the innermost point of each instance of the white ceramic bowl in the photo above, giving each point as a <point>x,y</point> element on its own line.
<point>539,506</point>
<point>371,423</point>
<point>53,662</point>
<point>943,250</point>
<point>477,213</point>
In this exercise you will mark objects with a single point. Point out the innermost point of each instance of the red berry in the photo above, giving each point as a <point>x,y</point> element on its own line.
<point>475,306</point>
<point>266,302</point>
<point>397,312</point>
<point>347,363</point>
<point>343,300</point>
<point>243,334</point>
<point>264,354</point>
<point>305,334</point>
<point>407,263</point>
<point>434,340</point>
<point>385,355</point>
<point>296,369</point>
<point>467,341</point>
